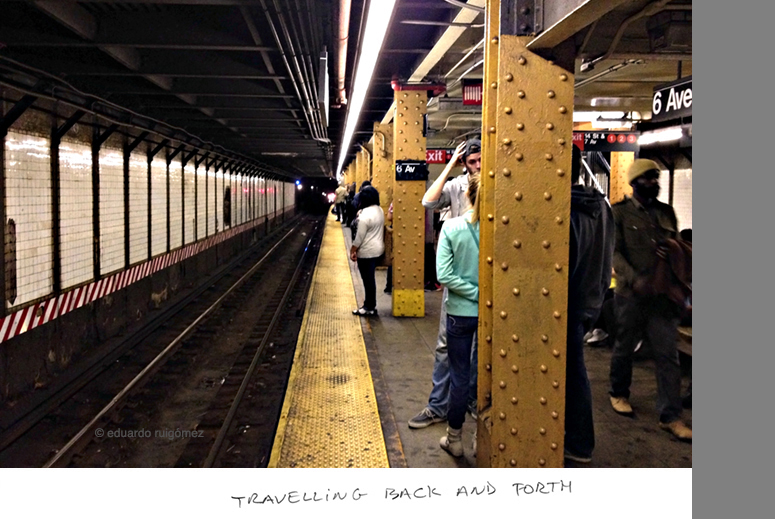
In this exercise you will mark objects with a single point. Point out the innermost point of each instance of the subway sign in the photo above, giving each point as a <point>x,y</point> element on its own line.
<point>672,100</point>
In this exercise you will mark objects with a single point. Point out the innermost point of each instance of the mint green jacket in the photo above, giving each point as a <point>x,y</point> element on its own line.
<point>457,265</point>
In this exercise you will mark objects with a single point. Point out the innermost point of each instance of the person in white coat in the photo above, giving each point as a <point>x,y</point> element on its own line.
<point>368,246</point>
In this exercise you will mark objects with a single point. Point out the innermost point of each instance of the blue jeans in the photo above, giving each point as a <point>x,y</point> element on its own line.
<point>438,401</point>
<point>579,427</point>
<point>460,337</point>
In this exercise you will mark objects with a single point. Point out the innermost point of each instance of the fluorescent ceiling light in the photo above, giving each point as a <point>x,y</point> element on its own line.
<point>588,117</point>
<point>380,13</point>
<point>670,134</point>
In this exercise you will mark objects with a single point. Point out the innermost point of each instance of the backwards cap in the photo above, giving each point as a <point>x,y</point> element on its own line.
<point>472,146</point>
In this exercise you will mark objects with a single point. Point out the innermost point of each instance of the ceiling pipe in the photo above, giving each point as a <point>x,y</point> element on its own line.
<point>287,66</point>
<point>344,35</point>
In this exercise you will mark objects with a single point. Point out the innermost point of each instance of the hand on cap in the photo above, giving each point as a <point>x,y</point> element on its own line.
<point>461,148</point>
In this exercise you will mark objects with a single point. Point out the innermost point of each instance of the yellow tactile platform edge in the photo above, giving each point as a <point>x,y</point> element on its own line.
<point>330,418</point>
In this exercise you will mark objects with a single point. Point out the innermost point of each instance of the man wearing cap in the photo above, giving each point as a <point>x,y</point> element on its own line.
<point>450,194</point>
<point>642,223</point>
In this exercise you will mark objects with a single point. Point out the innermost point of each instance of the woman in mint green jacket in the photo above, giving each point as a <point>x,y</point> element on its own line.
<point>457,267</point>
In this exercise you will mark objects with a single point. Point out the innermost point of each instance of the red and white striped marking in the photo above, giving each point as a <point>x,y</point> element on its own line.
<point>45,311</point>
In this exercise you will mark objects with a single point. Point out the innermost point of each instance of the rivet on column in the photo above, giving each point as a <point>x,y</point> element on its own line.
<point>505,220</point>
<point>555,384</point>
<point>558,220</point>
<point>520,126</point>
<point>514,368</point>
<point>506,172</point>
<point>563,77</point>
<point>561,142</point>
<point>491,174</point>
<point>515,291</point>
<point>521,60</point>
<point>507,142</point>
<point>555,415</point>
<point>514,338</point>
<point>513,432</point>
<point>521,94</point>
<point>509,77</point>
<point>542,430</point>
<point>502,384</point>
<point>504,315</point>
<point>542,400</point>
<point>554,446</point>
<point>489,260</point>
<point>493,85</point>
<point>513,463</point>
<point>541,462</point>
<point>545,291</point>
<point>492,129</point>
<point>488,367</point>
<point>489,305</point>
<point>507,110</point>
<point>517,244</point>
<point>502,353</point>
<point>546,244</point>
<point>549,126</point>
<point>557,267</point>
<point>502,416</point>
<point>556,315</point>
<point>544,369</point>
<point>502,446</point>
<point>562,109</point>
<point>548,156</point>
<point>544,338</point>
<point>518,196</point>
<point>547,196</point>
<point>504,266</point>
<point>489,216</point>
<point>560,173</point>
<point>514,400</point>
<point>550,94</point>
<point>519,156</point>
<point>489,337</point>
<point>494,40</point>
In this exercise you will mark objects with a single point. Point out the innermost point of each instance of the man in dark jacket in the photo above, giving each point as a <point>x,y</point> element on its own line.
<point>590,258</point>
<point>643,224</point>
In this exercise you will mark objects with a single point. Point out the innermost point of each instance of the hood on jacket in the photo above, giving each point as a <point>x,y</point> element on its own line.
<point>586,200</point>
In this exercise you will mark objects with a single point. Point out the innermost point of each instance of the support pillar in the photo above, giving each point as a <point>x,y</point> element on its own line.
<point>408,212</point>
<point>382,164</point>
<point>528,258</point>
<point>620,163</point>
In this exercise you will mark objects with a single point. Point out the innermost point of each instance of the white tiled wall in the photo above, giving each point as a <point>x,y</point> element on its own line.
<point>77,232</point>
<point>236,194</point>
<point>290,195</point>
<point>261,197</point>
<point>138,207</point>
<point>189,207</point>
<point>111,210</point>
<point>227,185</point>
<point>176,204</point>
<point>201,202</point>
<point>219,184</point>
<point>211,197</point>
<point>682,198</point>
<point>158,206</point>
<point>28,203</point>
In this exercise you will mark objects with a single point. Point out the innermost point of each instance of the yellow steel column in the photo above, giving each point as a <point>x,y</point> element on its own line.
<point>359,170</point>
<point>620,163</point>
<point>382,164</point>
<point>487,210</point>
<point>408,212</point>
<point>530,258</point>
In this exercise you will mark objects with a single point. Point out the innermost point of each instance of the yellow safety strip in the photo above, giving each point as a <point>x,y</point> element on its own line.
<point>330,418</point>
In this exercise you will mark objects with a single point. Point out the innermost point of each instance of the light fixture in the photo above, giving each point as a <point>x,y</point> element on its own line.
<point>377,22</point>
<point>666,135</point>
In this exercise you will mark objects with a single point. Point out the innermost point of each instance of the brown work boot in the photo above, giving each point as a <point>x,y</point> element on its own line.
<point>678,429</point>
<point>621,405</point>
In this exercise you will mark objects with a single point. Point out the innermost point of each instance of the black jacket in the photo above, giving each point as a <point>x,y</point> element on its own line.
<point>591,252</point>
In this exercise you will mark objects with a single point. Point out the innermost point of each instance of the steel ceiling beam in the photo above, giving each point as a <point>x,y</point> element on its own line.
<point>564,18</point>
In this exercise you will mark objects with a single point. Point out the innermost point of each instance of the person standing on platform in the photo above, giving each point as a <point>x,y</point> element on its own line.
<point>341,197</point>
<point>450,194</point>
<point>457,268</point>
<point>591,252</point>
<point>368,246</point>
<point>643,224</point>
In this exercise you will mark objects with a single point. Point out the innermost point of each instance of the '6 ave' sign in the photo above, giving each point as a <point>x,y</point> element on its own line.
<point>672,100</point>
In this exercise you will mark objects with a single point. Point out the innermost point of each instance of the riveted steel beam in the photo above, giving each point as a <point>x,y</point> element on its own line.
<point>487,210</point>
<point>382,164</point>
<point>529,258</point>
<point>620,163</point>
<point>408,212</point>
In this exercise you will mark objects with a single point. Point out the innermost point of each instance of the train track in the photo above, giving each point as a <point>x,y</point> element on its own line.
<point>201,336</point>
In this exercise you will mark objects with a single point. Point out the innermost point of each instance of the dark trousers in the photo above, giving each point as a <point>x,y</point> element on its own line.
<point>389,281</point>
<point>579,427</point>
<point>460,337</point>
<point>340,208</point>
<point>367,266</point>
<point>656,320</point>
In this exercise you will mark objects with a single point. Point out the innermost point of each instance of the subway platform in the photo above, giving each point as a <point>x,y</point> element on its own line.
<point>394,357</point>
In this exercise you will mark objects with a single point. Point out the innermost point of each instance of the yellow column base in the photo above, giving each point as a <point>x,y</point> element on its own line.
<point>408,303</point>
